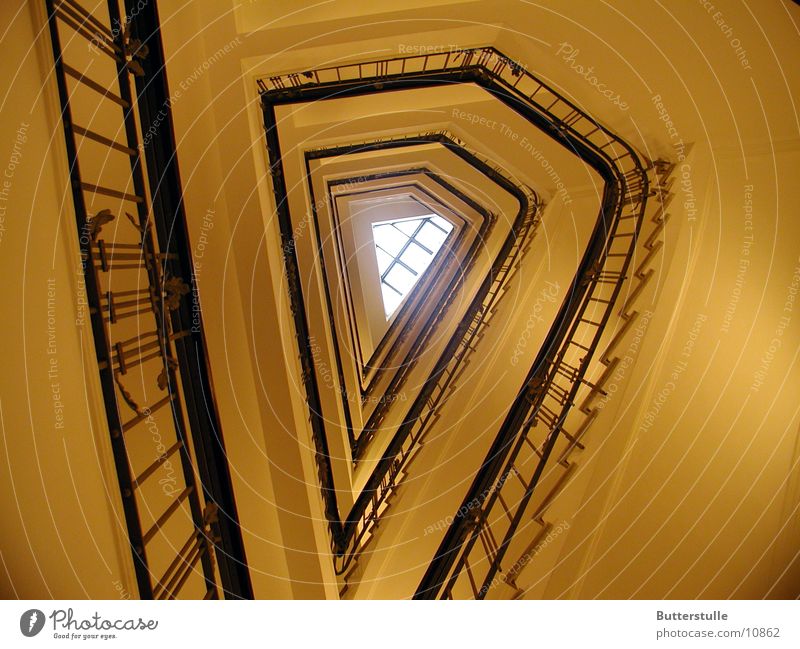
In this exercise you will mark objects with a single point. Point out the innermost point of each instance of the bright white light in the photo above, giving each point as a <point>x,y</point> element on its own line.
<point>404,250</point>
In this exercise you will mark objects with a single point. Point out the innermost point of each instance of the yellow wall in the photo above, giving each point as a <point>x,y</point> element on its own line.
<point>693,497</point>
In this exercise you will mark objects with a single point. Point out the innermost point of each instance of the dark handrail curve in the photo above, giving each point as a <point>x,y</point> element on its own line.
<point>615,160</point>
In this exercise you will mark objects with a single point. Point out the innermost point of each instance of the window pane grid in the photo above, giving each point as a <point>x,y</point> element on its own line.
<point>404,250</point>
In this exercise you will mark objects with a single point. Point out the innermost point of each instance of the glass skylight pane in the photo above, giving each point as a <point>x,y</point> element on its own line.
<point>388,238</point>
<point>391,300</point>
<point>416,257</point>
<point>384,259</point>
<point>400,278</point>
<point>431,237</point>
<point>408,226</point>
<point>442,223</point>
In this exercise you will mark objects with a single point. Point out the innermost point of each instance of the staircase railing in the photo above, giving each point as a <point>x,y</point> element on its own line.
<point>374,498</point>
<point>559,369</point>
<point>412,314</point>
<point>350,534</point>
<point>148,335</point>
<point>532,536</point>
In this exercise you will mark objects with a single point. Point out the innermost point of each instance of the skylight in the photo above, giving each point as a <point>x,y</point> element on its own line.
<point>404,250</point>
